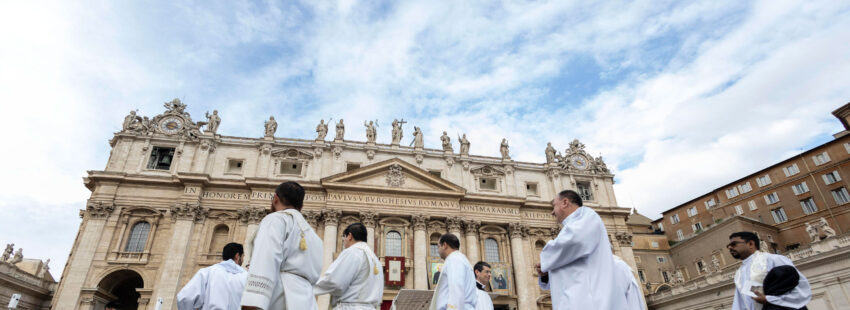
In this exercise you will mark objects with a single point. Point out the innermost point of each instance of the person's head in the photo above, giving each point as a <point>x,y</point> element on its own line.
<point>482,272</point>
<point>113,305</point>
<point>565,203</point>
<point>743,244</point>
<point>288,195</point>
<point>215,112</point>
<point>448,244</point>
<point>233,251</point>
<point>354,233</point>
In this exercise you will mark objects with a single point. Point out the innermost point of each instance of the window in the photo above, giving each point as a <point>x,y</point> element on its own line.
<point>821,158</point>
<point>660,226</point>
<point>841,196</point>
<point>791,170</point>
<point>732,192</point>
<point>779,215</point>
<point>661,259</point>
<point>434,250</point>
<point>161,158</point>
<point>655,244</point>
<point>692,211</point>
<point>292,168</point>
<point>487,183</point>
<point>700,267</point>
<point>752,204</point>
<point>531,189</point>
<point>234,166</point>
<point>352,166</point>
<point>674,219</point>
<point>665,276</point>
<point>763,180</point>
<point>847,147</point>
<point>219,239</point>
<point>771,198</point>
<point>584,191</point>
<point>697,227</point>
<point>138,237</point>
<point>491,250</point>
<point>739,210</point>
<point>809,206</point>
<point>800,188</point>
<point>641,276</point>
<point>393,244</point>
<point>745,188</point>
<point>436,173</point>
<point>710,203</point>
<point>680,234</point>
<point>831,177</point>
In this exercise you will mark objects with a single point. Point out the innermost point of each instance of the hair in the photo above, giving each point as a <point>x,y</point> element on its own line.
<point>479,266</point>
<point>451,240</point>
<point>290,194</point>
<point>747,237</point>
<point>113,305</point>
<point>571,195</point>
<point>357,231</point>
<point>230,250</point>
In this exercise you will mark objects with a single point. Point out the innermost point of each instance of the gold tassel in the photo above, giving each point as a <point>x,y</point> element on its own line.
<point>303,245</point>
<point>376,269</point>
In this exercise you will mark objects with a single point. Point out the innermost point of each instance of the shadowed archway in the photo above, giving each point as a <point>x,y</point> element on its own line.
<point>123,284</point>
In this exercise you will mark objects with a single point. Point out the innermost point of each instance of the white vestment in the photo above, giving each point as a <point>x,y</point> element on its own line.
<point>285,263</point>
<point>355,279</point>
<point>581,266</point>
<point>752,273</point>
<point>484,301</point>
<point>634,295</point>
<point>217,287</point>
<point>456,287</point>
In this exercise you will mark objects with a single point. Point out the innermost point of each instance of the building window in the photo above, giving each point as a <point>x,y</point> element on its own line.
<point>680,234</point>
<point>821,158</point>
<point>660,226</point>
<point>491,250</point>
<point>771,198</point>
<point>487,183</point>
<point>393,244</point>
<point>739,210</point>
<point>434,250</point>
<point>841,196</point>
<point>436,173</point>
<point>161,158</point>
<point>674,219</point>
<point>641,276</point>
<point>763,180</point>
<point>697,227</point>
<point>291,168</point>
<point>847,147</point>
<point>745,188</point>
<point>710,203</point>
<point>700,267</point>
<point>661,259</point>
<point>531,189</point>
<point>831,177</point>
<point>654,244</point>
<point>752,204</point>
<point>692,211</point>
<point>584,191</point>
<point>791,170</point>
<point>234,166</point>
<point>138,237</point>
<point>732,192</point>
<point>665,276</point>
<point>779,215</point>
<point>809,206</point>
<point>351,166</point>
<point>219,238</point>
<point>801,188</point>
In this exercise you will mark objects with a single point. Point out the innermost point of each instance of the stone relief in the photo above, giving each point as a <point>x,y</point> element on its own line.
<point>321,130</point>
<point>174,121</point>
<point>420,221</point>
<point>270,127</point>
<point>189,211</point>
<point>312,217</point>
<point>99,209</point>
<point>213,120</point>
<point>453,223</point>
<point>623,238</point>
<point>340,131</point>
<point>331,216</point>
<point>395,177</point>
<point>824,227</point>
<point>813,232</point>
<point>471,226</point>
<point>516,230</point>
<point>252,214</point>
<point>368,218</point>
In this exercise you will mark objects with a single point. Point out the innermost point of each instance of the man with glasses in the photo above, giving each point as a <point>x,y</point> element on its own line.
<point>355,279</point>
<point>749,279</point>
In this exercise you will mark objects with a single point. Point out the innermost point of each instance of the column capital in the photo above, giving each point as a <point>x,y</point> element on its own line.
<point>368,218</point>
<point>624,238</point>
<point>99,209</point>
<point>331,217</point>
<point>420,221</point>
<point>453,223</point>
<point>554,231</point>
<point>312,217</point>
<point>252,215</point>
<point>471,226</point>
<point>189,211</point>
<point>517,230</point>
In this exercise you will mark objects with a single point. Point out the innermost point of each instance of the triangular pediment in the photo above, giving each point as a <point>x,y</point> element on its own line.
<point>394,175</point>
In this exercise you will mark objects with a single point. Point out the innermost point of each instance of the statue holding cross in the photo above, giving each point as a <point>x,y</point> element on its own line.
<point>397,131</point>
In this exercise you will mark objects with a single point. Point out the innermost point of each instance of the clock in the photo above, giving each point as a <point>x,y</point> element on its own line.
<point>579,162</point>
<point>171,125</point>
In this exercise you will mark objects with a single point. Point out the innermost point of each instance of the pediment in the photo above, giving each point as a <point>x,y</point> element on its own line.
<point>393,175</point>
<point>291,153</point>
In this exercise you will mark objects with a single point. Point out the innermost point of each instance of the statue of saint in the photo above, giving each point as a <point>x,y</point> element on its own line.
<point>824,227</point>
<point>504,149</point>
<point>550,153</point>
<point>464,145</point>
<point>8,252</point>
<point>371,132</point>
<point>213,121</point>
<point>397,131</point>
<point>131,121</point>
<point>418,141</point>
<point>321,130</point>
<point>447,142</point>
<point>271,126</point>
<point>600,165</point>
<point>340,131</point>
<point>715,263</point>
<point>813,232</point>
<point>19,256</point>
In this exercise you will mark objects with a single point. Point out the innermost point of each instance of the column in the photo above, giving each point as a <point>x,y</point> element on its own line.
<point>520,267</point>
<point>331,217</point>
<point>368,219</point>
<point>251,216</point>
<point>420,253</point>
<point>184,216</point>
<point>472,251</point>
<point>453,226</point>
<point>202,155</point>
<point>95,219</point>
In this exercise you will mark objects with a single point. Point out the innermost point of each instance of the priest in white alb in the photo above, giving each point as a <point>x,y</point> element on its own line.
<point>218,286</point>
<point>456,287</point>
<point>752,292</point>
<point>355,280</point>
<point>287,256</point>
<point>634,295</point>
<point>578,266</point>
<point>482,275</point>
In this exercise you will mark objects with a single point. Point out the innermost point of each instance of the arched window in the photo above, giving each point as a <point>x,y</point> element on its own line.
<point>393,244</point>
<point>219,238</point>
<point>491,250</point>
<point>138,237</point>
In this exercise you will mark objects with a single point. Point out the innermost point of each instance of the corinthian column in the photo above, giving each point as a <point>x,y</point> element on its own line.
<point>520,267</point>
<point>420,250</point>
<point>368,219</point>
<point>472,251</point>
<point>453,225</point>
<point>184,215</point>
<point>331,217</point>
<point>251,216</point>
<point>94,220</point>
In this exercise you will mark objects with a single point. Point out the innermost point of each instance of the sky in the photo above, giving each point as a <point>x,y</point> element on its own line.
<point>679,97</point>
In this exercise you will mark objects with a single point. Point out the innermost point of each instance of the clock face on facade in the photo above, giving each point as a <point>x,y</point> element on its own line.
<point>171,125</point>
<point>579,162</point>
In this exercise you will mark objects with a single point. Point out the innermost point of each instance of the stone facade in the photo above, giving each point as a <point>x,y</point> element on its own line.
<point>31,279</point>
<point>170,195</point>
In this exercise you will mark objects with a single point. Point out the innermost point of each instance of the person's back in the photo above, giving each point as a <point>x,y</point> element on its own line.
<point>634,294</point>
<point>218,286</point>
<point>456,287</point>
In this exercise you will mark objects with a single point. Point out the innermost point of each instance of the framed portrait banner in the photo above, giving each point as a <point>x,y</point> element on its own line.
<point>434,273</point>
<point>501,279</point>
<point>394,274</point>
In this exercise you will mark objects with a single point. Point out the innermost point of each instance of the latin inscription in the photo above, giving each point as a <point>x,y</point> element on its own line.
<point>488,209</point>
<point>241,196</point>
<point>398,201</point>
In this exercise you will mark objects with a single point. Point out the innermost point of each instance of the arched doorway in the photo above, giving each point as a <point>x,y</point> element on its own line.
<point>123,284</point>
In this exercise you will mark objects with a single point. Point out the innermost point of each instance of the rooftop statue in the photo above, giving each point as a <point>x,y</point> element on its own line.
<point>321,130</point>
<point>447,142</point>
<point>340,131</point>
<point>271,126</point>
<point>213,121</point>
<point>464,145</point>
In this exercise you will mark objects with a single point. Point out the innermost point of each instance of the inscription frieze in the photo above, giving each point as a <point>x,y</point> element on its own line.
<point>393,201</point>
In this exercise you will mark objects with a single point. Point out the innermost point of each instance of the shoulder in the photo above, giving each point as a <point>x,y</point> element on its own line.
<point>275,218</point>
<point>778,260</point>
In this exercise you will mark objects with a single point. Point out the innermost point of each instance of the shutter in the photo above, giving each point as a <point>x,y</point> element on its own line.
<point>796,191</point>
<point>825,179</point>
<point>786,171</point>
<point>825,157</point>
<point>836,175</point>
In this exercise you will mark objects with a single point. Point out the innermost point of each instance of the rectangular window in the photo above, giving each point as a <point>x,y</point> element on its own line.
<point>710,203</point>
<point>791,170</point>
<point>674,219</point>
<point>234,166</point>
<point>660,226</point>
<point>291,168</point>
<point>841,196</point>
<point>661,259</point>
<point>436,173</point>
<point>434,250</point>
<point>697,227</point>
<point>584,191</point>
<point>779,215</point>
<point>831,177</point>
<point>847,147</point>
<point>739,210</point>
<point>732,192</point>
<point>161,158</point>
<point>763,180</point>
<point>665,276</point>
<point>641,276</point>
<point>752,204</point>
<point>680,235</point>
<point>531,189</point>
<point>487,183</point>
<point>654,244</point>
<point>771,198</point>
<point>700,267</point>
<point>801,188</point>
<point>745,188</point>
<point>351,166</point>
<point>809,206</point>
<point>692,211</point>
<point>821,158</point>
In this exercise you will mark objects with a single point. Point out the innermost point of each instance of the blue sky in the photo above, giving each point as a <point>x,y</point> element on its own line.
<point>679,97</point>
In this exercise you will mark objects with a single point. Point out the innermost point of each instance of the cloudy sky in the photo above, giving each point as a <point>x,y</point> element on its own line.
<point>679,96</point>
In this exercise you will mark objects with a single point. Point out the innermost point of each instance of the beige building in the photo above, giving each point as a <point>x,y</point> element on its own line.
<point>170,196</point>
<point>29,278</point>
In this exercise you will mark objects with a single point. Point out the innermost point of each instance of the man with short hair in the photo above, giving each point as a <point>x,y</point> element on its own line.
<point>750,276</point>
<point>482,276</point>
<point>456,286</point>
<point>287,256</point>
<point>634,295</point>
<point>578,265</point>
<point>355,279</point>
<point>218,286</point>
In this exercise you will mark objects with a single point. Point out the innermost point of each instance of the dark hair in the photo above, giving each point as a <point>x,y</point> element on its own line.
<point>747,237</point>
<point>479,266</point>
<point>230,250</point>
<point>290,194</point>
<point>357,231</point>
<point>113,304</point>
<point>451,240</point>
<point>571,195</point>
